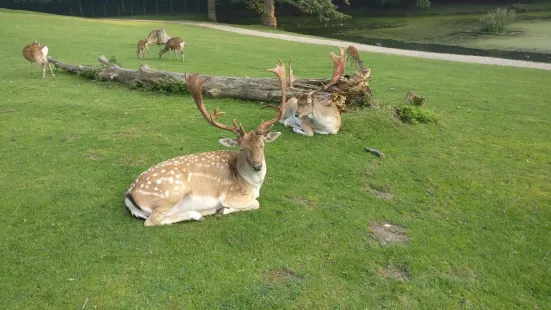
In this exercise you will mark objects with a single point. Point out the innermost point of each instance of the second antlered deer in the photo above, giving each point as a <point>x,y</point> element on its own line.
<point>174,44</point>
<point>307,114</point>
<point>35,52</point>
<point>192,186</point>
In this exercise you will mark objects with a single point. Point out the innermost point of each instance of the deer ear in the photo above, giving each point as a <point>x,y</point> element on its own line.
<point>229,142</point>
<point>271,136</point>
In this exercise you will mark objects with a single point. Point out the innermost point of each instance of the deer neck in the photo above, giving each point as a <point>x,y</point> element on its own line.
<point>253,178</point>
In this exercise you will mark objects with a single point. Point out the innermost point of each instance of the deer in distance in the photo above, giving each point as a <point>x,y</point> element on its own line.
<point>174,44</point>
<point>308,115</point>
<point>192,186</point>
<point>35,52</point>
<point>143,48</point>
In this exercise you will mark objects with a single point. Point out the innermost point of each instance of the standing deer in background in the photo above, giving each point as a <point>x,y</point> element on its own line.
<point>353,57</point>
<point>192,186</point>
<point>143,49</point>
<point>308,115</point>
<point>174,44</point>
<point>35,52</point>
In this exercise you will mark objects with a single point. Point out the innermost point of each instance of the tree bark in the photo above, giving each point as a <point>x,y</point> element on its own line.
<point>268,16</point>
<point>79,4</point>
<point>211,9</point>
<point>345,91</point>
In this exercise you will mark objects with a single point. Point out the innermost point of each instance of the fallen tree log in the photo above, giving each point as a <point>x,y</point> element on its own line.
<point>346,90</point>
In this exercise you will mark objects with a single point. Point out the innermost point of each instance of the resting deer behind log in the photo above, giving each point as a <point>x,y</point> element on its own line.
<point>307,114</point>
<point>174,44</point>
<point>192,186</point>
<point>35,52</point>
<point>143,48</point>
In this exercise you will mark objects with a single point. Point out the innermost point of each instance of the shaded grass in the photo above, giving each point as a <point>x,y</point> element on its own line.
<point>473,191</point>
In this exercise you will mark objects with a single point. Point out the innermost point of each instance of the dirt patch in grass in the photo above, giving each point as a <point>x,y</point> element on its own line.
<point>387,233</point>
<point>379,192</point>
<point>134,161</point>
<point>303,201</point>
<point>277,275</point>
<point>125,134</point>
<point>394,272</point>
<point>95,155</point>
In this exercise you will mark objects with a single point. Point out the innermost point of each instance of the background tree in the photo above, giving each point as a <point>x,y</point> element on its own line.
<point>211,9</point>
<point>418,3</point>
<point>325,9</point>
<point>268,16</point>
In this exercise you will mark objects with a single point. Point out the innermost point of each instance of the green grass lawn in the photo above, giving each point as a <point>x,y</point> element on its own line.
<point>472,191</point>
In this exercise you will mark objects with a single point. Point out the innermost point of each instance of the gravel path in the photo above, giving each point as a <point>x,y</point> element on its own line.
<point>379,49</point>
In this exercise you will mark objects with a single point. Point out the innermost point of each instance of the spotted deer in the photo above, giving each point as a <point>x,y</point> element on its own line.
<point>307,114</point>
<point>195,185</point>
<point>35,52</point>
<point>174,44</point>
<point>143,48</point>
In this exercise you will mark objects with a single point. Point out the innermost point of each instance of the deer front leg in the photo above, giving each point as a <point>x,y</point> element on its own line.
<point>165,214</point>
<point>43,70</point>
<point>181,216</point>
<point>305,131</point>
<point>52,71</point>
<point>231,209</point>
<point>292,121</point>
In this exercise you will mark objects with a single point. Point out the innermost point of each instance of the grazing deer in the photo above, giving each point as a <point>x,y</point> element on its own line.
<point>308,115</point>
<point>353,57</point>
<point>192,186</point>
<point>143,48</point>
<point>35,52</point>
<point>174,44</point>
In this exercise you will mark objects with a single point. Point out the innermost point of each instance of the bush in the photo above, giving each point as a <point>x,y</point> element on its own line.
<point>411,114</point>
<point>114,61</point>
<point>168,86</point>
<point>518,7</point>
<point>90,74</point>
<point>497,21</point>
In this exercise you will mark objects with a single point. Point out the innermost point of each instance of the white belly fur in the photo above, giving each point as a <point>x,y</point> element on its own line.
<point>196,203</point>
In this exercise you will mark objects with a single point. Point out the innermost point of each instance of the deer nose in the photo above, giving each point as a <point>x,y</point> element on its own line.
<point>257,167</point>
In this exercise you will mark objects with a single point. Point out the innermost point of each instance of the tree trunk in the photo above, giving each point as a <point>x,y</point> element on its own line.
<point>348,89</point>
<point>268,16</point>
<point>79,3</point>
<point>211,8</point>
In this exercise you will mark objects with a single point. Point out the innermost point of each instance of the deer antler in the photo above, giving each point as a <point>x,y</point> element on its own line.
<point>338,69</point>
<point>279,70</point>
<point>194,84</point>
<point>291,76</point>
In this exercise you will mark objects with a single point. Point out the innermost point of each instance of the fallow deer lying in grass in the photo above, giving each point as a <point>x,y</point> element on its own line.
<point>35,52</point>
<point>192,186</point>
<point>308,115</point>
<point>174,44</point>
<point>143,48</point>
